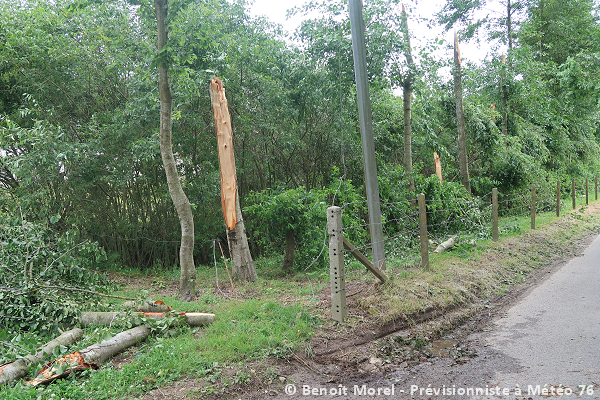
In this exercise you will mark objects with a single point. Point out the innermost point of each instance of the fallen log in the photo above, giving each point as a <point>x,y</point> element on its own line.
<point>148,306</point>
<point>18,368</point>
<point>446,245</point>
<point>91,356</point>
<point>97,318</point>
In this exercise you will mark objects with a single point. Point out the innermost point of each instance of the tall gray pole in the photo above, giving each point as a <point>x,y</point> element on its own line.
<point>366,128</point>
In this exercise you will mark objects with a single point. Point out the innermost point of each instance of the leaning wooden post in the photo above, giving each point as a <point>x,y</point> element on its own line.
<point>573,192</point>
<point>423,232</point>
<point>495,214</point>
<point>336,264</point>
<point>533,207</point>
<point>587,191</point>
<point>558,198</point>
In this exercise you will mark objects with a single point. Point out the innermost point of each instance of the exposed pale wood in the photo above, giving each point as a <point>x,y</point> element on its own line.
<point>365,261</point>
<point>99,318</point>
<point>18,369</point>
<point>91,356</point>
<point>438,165</point>
<point>243,265</point>
<point>445,245</point>
<point>225,151</point>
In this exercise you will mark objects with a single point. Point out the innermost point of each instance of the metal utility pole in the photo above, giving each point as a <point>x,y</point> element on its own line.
<point>366,128</point>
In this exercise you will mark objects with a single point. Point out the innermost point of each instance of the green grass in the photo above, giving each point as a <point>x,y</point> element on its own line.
<point>242,331</point>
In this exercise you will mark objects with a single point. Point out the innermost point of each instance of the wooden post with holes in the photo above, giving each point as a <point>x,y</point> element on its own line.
<point>533,207</point>
<point>587,191</point>
<point>336,264</point>
<point>573,192</point>
<point>558,198</point>
<point>495,214</point>
<point>423,232</point>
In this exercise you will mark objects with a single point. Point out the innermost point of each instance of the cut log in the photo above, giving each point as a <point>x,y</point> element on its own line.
<point>93,318</point>
<point>18,369</point>
<point>446,245</point>
<point>91,356</point>
<point>148,306</point>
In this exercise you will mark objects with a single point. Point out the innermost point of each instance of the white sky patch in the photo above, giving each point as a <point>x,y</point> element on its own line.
<point>276,11</point>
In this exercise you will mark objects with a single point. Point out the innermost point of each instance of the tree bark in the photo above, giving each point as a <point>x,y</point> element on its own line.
<point>407,90</point>
<point>290,249</point>
<point>242,265</point>
<point>460,118</point>
<point>187,280</point>
<point>18,369</point>
<point>90,356</point>
<point>504,97</point>
<point>100,318</point>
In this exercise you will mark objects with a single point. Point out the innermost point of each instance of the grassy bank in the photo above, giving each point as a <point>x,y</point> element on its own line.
<point>277,316</point>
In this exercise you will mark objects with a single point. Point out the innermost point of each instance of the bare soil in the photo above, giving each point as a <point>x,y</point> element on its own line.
<point>369,352</point>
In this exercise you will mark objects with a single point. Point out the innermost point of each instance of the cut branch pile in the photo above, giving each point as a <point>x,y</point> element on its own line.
<point>98,353</point>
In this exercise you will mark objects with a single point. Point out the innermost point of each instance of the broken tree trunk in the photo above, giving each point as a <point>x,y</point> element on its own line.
<point>18,369</point>
<point>446,245</point>
<point>91,356</point>
<point>243,265</point>
<point>93,318</point>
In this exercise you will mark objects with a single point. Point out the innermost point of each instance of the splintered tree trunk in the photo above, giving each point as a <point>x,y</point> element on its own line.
<point>18,369</point>
<point>407,100</point>
<point>460,119</point>
<point>91,356</point>
<point>290,249</point>
<point>187,281</point>
<point>243,265</point>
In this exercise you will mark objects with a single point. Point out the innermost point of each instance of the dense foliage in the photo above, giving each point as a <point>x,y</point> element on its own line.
<point>79,116</point>
<point>46,277</point>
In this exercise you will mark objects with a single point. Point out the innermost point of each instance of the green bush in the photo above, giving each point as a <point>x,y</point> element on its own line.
<point>271,213</point>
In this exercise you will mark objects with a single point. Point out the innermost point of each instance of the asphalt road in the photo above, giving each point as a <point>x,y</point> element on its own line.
<point>544,345</point>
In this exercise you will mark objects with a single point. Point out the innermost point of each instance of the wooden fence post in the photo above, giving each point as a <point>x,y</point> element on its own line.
<point>336,264</point>
<point>558,198</point>
<point>423,232</point>
<point>596,186</point>
<point>495,214</point>
<point>533,207</point>
<point>573,192</point>
<point>587,192</point>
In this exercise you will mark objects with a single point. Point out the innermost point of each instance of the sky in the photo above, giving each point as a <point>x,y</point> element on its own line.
<point>275,10</point>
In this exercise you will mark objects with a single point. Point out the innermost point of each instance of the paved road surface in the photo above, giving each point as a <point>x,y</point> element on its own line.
<point>547,345</point>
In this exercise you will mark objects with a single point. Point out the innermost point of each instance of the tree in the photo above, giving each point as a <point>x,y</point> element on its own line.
<point>187,280</point>
<point>460,118</point>
<point>407,90</point>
